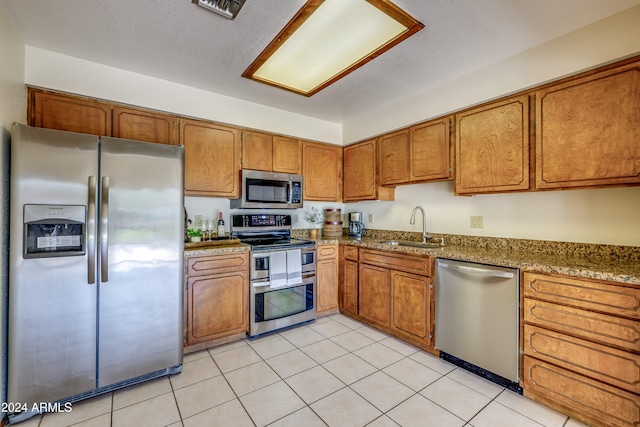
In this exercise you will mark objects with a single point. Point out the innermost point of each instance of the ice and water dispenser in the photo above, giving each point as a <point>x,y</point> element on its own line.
<point>54,230</point>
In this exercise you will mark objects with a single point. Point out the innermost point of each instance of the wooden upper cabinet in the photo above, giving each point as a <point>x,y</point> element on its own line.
<point>395,159</point>
<point>430,154</point>
<point>69,113</point>
<point>211,159</point>
<point>144,125</point>
<point>271,153</point>
<point>287,154</point>
<point>257,151</point>
<point>492,147</point>
<point>322,169</point>
<point>360,174</point>
<point>588,130</point>
<point>421,153</point>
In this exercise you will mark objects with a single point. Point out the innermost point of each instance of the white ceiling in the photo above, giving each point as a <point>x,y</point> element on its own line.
<point>179,41</point>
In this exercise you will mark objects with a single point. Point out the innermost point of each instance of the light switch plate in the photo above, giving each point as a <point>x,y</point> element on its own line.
<point>477,221</point>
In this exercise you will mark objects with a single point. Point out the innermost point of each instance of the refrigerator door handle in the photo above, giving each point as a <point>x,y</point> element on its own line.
<point>91,232</point>
<point>104,227</point>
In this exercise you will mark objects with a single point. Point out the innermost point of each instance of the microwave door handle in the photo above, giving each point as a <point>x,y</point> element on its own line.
<point>290,192</point>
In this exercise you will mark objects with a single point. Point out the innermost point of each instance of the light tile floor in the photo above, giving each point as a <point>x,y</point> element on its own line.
<point>332,372</point>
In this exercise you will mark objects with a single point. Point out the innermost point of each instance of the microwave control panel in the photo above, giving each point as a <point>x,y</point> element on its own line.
<point>296,192</point>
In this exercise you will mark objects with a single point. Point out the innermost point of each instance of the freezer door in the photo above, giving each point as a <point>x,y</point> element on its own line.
<point>52,305</point>
<point>141,259</point>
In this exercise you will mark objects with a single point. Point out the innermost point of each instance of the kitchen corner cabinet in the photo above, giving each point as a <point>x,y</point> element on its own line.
<point>421,153</point>
<point>581,346</point>
<point>394,293</point>
<point>327,278</point>
<point>348,291</point>
<point>322,170</point>
<point>270,153</point>
<point>217,297</point>
<point>588,130</point>
<point>143,125</point>
<point>68,113</point>
<point>211,159</point>
<point>492,147</point>
<point>360,173</point>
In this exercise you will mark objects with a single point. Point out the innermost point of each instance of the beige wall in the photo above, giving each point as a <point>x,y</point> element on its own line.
<point>13,102</point>
<point>608,216</point>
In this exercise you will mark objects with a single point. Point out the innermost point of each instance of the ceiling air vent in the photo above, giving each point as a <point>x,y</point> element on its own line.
<point>227,8</point>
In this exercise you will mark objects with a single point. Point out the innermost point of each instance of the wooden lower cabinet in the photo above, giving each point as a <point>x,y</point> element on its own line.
<point>410,296</point>
<point>389,290</point>
<point>348,291</point>
<point>327,278</point>
<point>216,299</point>
<point>374,294</point>
<point>587,400</point>
<point>581,346</point>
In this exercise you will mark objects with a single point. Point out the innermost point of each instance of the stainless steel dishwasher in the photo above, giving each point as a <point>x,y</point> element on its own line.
<point>477,319</point>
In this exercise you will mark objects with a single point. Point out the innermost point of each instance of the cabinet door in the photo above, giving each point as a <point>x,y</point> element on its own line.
<point>287,155</point>
<point>587,130</point>
<point>395,162</point>
<point>211,159</point>
<point>322,169</point>
<point>430,151</point>
<point>327,277</point>
<point>410,311</point>
<point>374,296</point>
<point>360,171</point>
<point>492,147</point>
<point>61,112</point>
<point>141,125</point>
<point>217,306</point>
<point>349,297</point>
<point>257,151</point>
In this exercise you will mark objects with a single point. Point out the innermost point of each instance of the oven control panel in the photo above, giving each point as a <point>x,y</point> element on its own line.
<point>260,220</point>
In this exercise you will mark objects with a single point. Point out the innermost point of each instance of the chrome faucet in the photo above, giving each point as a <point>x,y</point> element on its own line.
<point>425,236</point>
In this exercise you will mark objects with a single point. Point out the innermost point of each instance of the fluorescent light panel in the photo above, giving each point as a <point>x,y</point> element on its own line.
<point>327,40</point>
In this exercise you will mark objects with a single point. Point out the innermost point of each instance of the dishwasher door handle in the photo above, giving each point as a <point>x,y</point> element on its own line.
<point>479,271</point>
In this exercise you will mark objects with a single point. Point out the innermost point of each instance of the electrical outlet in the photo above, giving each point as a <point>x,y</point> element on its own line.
<point>296,218</point>
<point>198,221</point>
<point>371,218</point>
<point>477,221</point>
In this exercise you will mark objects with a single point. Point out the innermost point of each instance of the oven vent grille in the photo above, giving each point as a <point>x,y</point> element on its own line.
<point>227,8</point>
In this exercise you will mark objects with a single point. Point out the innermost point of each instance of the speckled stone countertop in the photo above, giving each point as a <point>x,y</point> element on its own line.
<point>216,250</point>
<point>602,262</point>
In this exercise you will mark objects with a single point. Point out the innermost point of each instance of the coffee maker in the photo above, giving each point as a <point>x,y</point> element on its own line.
<point>356,227</point>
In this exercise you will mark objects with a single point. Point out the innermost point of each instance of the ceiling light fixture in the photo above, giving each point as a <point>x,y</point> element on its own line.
<point>227,8</point>
<point>326,40</point>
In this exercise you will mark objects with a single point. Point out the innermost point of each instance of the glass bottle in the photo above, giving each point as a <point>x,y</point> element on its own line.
<point>220,225</point>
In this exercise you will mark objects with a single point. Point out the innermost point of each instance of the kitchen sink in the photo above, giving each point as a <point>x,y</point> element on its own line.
<point>413,244</point>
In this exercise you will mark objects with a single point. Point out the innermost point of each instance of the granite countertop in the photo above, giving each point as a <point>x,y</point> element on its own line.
<point>217,250</point>
<point>602,262</point>
<point>575,263</point>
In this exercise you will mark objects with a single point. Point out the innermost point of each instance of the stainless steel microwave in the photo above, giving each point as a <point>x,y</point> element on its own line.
<point>269,190</point>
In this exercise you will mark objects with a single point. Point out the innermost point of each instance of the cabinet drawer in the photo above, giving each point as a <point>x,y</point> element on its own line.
<point>624,333</point>
<point>408,263</point>
<point>583,398</point>
<point>606,364</point>
<point>351,252</point>
<point>327,251</point>
<point>216,264</point>
<point>605,297</point>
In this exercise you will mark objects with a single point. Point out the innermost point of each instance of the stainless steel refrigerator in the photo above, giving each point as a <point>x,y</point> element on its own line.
<point>95,265</point>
